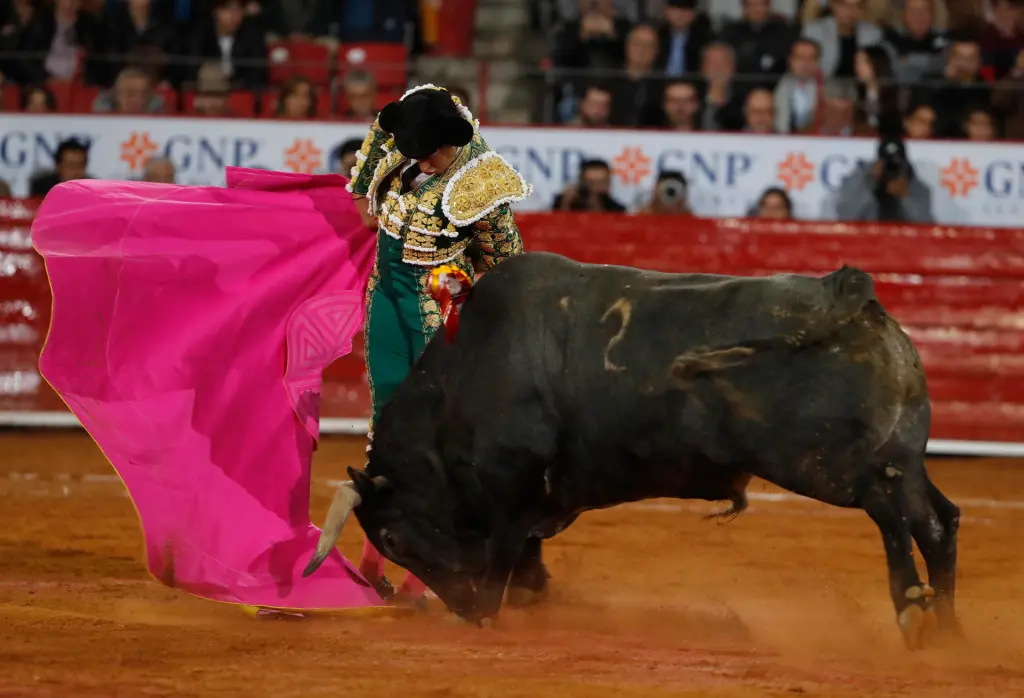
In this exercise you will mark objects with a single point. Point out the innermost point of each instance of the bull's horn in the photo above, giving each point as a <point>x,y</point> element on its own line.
<point>345,500</point>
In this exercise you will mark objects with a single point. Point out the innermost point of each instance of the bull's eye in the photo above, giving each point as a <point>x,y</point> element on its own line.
<point>390,541</point>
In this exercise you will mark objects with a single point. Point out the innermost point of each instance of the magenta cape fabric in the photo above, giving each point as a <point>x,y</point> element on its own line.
<point>190,328</point>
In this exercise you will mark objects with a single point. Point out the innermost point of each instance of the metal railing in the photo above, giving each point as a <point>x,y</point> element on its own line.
<point>552,93</point>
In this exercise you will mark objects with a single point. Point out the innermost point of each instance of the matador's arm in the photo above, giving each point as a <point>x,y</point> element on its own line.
<point>495,238</point>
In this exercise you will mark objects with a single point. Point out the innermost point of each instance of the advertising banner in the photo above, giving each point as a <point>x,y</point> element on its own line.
<point>970,183</point>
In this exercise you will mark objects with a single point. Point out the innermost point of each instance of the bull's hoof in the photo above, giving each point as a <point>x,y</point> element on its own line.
<point>456,619</point>
<point>522,597</point>
<point>416,603</point>
<point>384,588</point>
<point>918,621</point>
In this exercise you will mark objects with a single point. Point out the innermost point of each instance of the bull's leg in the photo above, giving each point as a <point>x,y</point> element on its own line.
<point>885,502</point>
<point>529,580</point>
<point>934,523</point>
<point>504,551</point>
<point>371,564</point>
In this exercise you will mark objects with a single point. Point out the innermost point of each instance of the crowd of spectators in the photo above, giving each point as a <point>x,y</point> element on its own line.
<point>160,56</point>
<point>946,68</point>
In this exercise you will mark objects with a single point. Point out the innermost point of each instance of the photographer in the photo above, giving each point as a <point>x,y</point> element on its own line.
<point>886,190</point>
<point>592,192</point>
<point>670,196</point>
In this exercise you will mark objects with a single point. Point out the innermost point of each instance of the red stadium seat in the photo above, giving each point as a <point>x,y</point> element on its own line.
<point>306,58</point>
<point>323,104</point>
<point>241,103</point>
<point>10,97</point>
<point>170,96</point>
<point>63,94</point>
<point>82,98</point>
<point>386,62</point>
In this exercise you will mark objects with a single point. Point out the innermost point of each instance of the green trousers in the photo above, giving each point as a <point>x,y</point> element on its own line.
<point>401,317</point>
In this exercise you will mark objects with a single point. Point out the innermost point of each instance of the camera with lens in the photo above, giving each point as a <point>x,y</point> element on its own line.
<point>893,157</point>
<point>671,189</point>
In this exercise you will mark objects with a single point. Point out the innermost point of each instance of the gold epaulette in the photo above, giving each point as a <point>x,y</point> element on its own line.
<point>480,186</point>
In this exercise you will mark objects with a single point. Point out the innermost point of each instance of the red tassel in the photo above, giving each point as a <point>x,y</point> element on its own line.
<point>441,292</point>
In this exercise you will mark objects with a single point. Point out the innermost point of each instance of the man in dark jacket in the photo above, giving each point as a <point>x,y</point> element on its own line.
<point>761,43</point>
<point>683,34</point>
<point>235,40</point>
<point>70,162</point>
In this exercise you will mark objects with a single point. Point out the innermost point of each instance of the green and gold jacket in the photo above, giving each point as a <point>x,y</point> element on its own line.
<point>460,213</point>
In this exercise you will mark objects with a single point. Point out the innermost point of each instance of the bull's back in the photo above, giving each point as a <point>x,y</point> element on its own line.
<point>606,342</point>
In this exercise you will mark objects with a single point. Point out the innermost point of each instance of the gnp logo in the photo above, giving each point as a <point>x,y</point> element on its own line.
<point>631,166</point>
<point>795,171</point>
<point>198,154</point>
<point>959,178</point>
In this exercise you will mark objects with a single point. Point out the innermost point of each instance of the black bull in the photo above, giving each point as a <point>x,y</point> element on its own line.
<point>571,387</point>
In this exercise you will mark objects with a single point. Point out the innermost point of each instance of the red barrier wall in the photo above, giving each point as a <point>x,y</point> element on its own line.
<point>959,292</point>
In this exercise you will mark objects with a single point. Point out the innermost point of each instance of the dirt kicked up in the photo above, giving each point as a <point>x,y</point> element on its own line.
<point>648,600</point>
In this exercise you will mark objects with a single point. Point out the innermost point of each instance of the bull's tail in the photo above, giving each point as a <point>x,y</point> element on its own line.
<point>852,293</point>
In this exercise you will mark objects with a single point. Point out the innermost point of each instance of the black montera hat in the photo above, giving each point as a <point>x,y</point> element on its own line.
<point>425,121</point>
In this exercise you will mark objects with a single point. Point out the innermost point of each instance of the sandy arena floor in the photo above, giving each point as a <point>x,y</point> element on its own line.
<point>648,600</point>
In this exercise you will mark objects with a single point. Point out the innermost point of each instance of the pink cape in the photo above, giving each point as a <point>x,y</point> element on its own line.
<point>190,329</point>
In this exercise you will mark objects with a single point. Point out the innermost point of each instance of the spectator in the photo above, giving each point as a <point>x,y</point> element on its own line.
<point>840,35</point>
<point>680,105</point>
<point>723,104</point>
<point>160,170</point>
<point>878,93</point>
<point>359,96</point>
<point>917,43</point>
<point>796,95</point>
<point>774,204</point>
<point>682,35</point>
<point>377,20</point>
<point>979,125</point>
<point>212,91</point>
<point>595,109</point>
<point>761,44</point>
<point>236,41</point>
<point>877,12</point>
<point>5,190</point>
<point>759,112</point>
<point>343,158</point>
<point>58,36</point>
<point>70,162</point>
<point>670,196</point>
<point>1008,100</point>
<point>129,25</point>
<point>636,94</point>
<point>297,99</point>
<point>569,9</point>
<point>15,22</point>
<point>721,12</point>
<point>962,88</point>
<point>132,93</point>
<point>592,192</point>
<point>1002,39</point>
<point>596,39</point>
<point>886,190</point>
<point>966,17</point>
<point>838,114</point>
<point>298,19</point>
<point>37,99</point>
<point>919,123</point>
